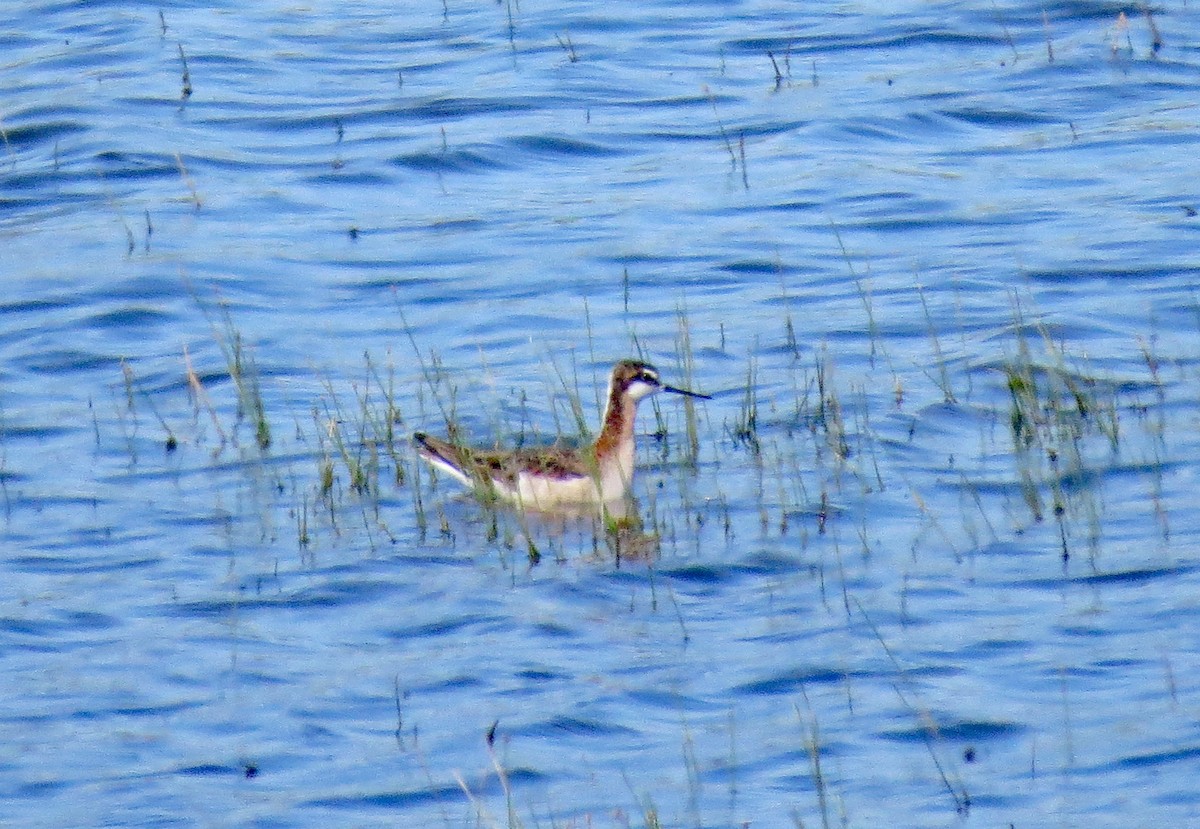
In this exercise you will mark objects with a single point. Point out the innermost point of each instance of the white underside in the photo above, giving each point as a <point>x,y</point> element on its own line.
<point>611,483</point>
<point>542,492</point>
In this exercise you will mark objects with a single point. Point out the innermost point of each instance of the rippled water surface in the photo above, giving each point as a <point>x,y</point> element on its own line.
<point>932,559</point>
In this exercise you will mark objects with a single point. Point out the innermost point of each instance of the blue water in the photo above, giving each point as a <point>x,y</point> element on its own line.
<point>883,601</point>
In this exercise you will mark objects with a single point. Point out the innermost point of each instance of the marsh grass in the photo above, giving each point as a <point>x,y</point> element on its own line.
<point>569,388</point>
<point>872,479</point>
<point>1049,38</point>
<point>631,532</point>
<point>185,91</point>
<point>355,451</point>
<point>188,182</point>
<point>862,285</point>
<point>1057,411</point>
<point>744,428</point>
<point>737,157</point>
<point>686,368</point>
<point>800,435</point>
<point>303,537</point>
<point>243,372</point>
<point>942,377</point>
<point>564,42</point>
<point>813,453</point>
<point>828,420</point>
<point>200,399</point>
<point>383,421</point>
<point>8,148</point>
<point>133,389</point>
<point>922,717</point>
<point>812,745</point>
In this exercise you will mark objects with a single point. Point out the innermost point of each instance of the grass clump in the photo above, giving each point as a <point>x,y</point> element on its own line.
<point>745,428</point>
<point>1057,413</point>
<point>244,373</point>
<point>1052,406</point>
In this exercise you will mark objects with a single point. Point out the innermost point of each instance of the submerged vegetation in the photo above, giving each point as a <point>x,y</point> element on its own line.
<point>795,440</point>
<point>926,553</point>
<point>1064,424</point>
<point>821,452</point>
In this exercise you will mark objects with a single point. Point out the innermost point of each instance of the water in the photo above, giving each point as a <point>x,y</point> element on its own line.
<point>944,577</point>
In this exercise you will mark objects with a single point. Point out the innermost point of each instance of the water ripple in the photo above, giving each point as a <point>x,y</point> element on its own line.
<point>853,226</point>
<point>446,161</point>
<point>964,730</point>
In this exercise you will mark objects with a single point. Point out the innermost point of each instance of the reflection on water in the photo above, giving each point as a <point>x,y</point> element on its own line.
<point>617,531</point>
<point>928,551</point>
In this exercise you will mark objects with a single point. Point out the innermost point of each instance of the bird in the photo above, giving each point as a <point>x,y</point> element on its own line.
<point>550,478</point>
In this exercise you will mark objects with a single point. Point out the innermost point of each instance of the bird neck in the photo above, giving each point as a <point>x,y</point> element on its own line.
<point>616,428</point>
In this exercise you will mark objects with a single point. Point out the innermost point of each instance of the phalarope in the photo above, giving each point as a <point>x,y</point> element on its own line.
<point>557,476</point>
